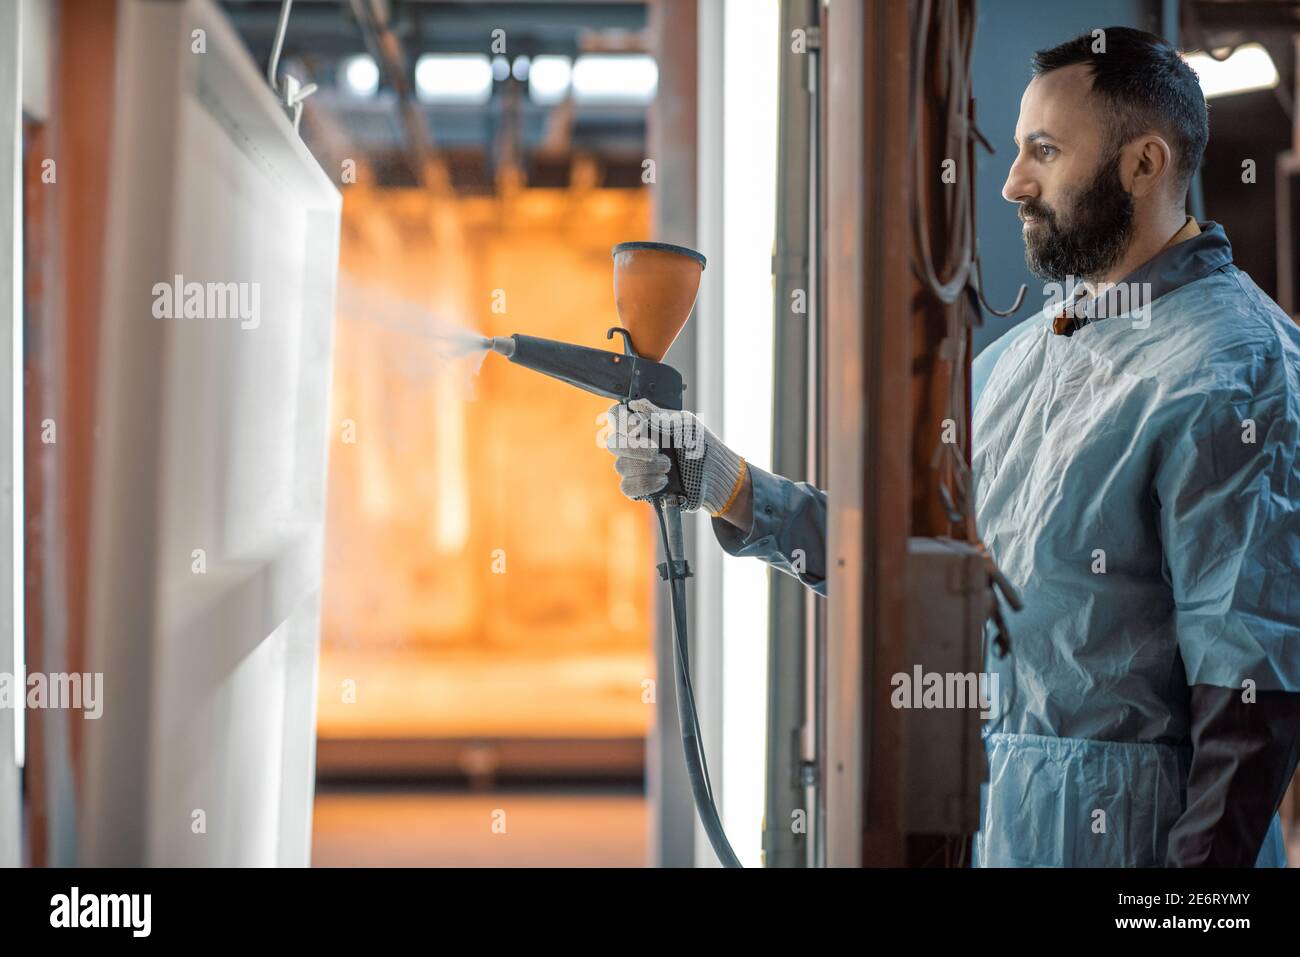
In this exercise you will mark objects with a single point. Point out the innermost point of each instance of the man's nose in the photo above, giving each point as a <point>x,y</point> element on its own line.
<point>1019,186</point>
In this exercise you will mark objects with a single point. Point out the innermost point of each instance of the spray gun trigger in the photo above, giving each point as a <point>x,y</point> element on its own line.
<point>627,339</point>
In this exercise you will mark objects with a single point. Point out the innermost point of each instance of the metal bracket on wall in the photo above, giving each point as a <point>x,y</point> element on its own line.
<point>943,761</point>
<point>289,91</point>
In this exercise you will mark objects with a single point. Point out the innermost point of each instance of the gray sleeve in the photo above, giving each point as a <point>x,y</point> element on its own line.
<point>789,529</point>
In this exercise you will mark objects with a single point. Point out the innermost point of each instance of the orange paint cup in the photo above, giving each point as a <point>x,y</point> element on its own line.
<point>655,285</point>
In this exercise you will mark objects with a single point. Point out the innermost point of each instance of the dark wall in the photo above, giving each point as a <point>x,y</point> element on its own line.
<point>1007,32</point>
<point>1246,126</point>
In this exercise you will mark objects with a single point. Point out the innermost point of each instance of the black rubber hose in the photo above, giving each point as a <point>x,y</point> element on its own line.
<point>697,769</point>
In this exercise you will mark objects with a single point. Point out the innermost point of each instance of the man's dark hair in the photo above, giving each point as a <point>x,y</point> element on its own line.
<point>1145,85</point>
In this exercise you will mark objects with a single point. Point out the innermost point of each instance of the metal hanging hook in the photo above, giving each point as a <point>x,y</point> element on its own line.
<point>290,92</point>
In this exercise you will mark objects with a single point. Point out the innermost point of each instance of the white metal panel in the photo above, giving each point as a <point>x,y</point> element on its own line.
<point>11,431</point>
<point>706,397</point>
<point>35,17</point>
<point>209,486</point>
<point>736,214</point>
<point>751,43</point>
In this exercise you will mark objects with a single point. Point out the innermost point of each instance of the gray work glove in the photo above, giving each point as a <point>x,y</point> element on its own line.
<point>711,472</point>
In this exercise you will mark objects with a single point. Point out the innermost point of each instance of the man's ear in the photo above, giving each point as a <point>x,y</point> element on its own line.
<point>1145,165</point>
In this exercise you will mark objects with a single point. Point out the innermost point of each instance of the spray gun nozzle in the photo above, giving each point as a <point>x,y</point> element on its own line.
<point>503,345</point>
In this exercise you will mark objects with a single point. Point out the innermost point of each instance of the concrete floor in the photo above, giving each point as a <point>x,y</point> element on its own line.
<point>427,827</point>
<point>392,826</point>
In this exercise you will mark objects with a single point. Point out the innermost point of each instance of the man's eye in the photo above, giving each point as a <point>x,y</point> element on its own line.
<point>1045,151</point>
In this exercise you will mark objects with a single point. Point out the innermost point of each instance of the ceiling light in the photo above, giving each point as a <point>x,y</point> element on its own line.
<point>548,79</point>
<point>615,79</point>
<point>359,75</point>
<point>453,78</point>
<point>1249,68</point>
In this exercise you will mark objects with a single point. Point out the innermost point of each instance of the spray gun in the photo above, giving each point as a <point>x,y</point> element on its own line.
<point>626,376</point>
<point>655,285</point>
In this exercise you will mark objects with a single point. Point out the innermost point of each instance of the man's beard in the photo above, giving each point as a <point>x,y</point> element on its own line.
<point>1092,234</point>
